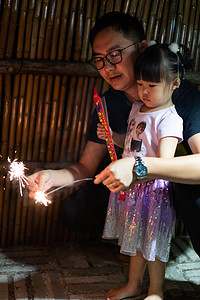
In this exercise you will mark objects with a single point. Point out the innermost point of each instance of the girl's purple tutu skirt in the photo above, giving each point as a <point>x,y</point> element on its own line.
<point>143,221</point>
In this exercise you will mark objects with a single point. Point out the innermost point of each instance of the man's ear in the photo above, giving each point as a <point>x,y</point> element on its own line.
<point>176,83</point>
<point>143,45</point>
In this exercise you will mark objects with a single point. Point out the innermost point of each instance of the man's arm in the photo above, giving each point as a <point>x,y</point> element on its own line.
<point>183,169</point>
<point>87,166</point>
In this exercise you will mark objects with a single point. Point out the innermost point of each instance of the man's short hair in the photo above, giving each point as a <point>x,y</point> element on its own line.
<point>128,25</point>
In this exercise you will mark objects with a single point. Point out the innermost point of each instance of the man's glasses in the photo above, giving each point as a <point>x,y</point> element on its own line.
<point>113,57</point>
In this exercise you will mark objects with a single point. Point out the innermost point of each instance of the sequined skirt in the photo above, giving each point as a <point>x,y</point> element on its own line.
<point>143,221</point>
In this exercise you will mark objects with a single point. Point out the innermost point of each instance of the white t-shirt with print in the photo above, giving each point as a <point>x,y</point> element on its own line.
<point>143,140</point>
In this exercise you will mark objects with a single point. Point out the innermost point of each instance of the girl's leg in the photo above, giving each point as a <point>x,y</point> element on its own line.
<point>134,285</point>
<point>157,275</point>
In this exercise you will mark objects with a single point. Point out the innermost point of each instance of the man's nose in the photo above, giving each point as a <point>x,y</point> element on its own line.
<point>108,65</point>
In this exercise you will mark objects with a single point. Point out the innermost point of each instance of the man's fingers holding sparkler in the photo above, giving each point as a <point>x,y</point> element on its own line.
<point>41,181</point>
<point>118,175</point>
<point>107,178</point>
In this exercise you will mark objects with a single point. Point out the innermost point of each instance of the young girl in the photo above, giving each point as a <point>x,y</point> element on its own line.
<point>143,222</point>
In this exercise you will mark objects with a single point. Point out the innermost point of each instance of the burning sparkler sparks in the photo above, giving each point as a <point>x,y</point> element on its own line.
<point>41,196</point>
<point>17,171</point>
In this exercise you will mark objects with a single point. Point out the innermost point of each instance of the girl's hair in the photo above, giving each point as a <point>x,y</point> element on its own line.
<point>158,63</point>
<point>128,25</point>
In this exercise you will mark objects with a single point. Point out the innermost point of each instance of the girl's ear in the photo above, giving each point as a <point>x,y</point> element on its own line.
<point>143,45</point>
<point>176,83</point>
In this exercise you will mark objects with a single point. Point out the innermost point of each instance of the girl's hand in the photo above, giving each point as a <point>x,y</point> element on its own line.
<point>101,132</point>
<point>41,181</point>
<point>118,175</point>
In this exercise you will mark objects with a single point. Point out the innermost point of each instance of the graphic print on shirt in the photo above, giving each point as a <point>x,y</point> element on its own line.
<point>136,141</point>
<point>133,141</point>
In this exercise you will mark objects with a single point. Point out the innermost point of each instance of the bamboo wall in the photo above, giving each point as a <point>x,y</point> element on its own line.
<point>46,91</point>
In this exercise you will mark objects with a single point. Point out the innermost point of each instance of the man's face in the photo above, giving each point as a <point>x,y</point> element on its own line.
<point>119,76</point>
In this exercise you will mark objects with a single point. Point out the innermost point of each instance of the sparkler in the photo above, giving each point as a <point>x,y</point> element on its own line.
<point>41,196</point>
<point>16,171</point>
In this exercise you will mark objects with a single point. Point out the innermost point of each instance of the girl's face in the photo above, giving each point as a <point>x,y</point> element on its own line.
<point>155,95</point>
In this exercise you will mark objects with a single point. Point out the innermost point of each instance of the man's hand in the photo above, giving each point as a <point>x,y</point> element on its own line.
<point>118,175</point>
<point>41,181</point>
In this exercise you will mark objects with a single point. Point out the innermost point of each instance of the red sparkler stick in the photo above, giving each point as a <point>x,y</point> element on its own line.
<point>104,121</point>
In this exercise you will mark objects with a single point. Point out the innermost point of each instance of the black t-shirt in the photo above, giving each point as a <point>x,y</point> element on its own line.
<point>187,102</point>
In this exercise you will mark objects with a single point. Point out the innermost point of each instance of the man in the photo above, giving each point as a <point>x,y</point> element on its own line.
<point>117,39</point>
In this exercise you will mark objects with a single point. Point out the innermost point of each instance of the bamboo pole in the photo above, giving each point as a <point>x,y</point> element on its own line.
<point>158,20</point>
<point>26,119</point>
<point>6,117</point>
<point>88,20</point>
<point>197,58</point>
<point>80,122</point>
<point>28,33</point>
<point>26,232</point>
<point>5,215</point>
<point>35,28</point>
<point>1,95</point>
<point>14,115</point>
<point>171,21</point>
<point>56,27</point>
<point>70,32</point>
<point>190,30</point>
<point>12,29</point>
<point>46,117</point>
<point>140,9</point>
<point>33,118</point>
<point>63,30</point>
<point>11,216</point>
<point>102,8</point>
<point>109,5</point>
<point>39,117</point>
<point>118,5</point>
<point>17,226</point>
<point>53,120</point>
<point>151,16</point>
<point>76,110</point>
<point>43,31</point>
<point>68,118</point>
<point>22,28</point>
<point>195,34</point>
<point>58,135</point>
<point>133,7</point>
<point>72,84</point>
<point>179,21</point>
<point>5,27</point>
<point>79,85</point>
<point>20,114</point>
<point>164,22</point>
<point>185,22</point>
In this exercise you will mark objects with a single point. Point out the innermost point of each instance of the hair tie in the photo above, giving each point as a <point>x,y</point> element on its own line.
<point>151,43</point>
<point>173,47</point>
